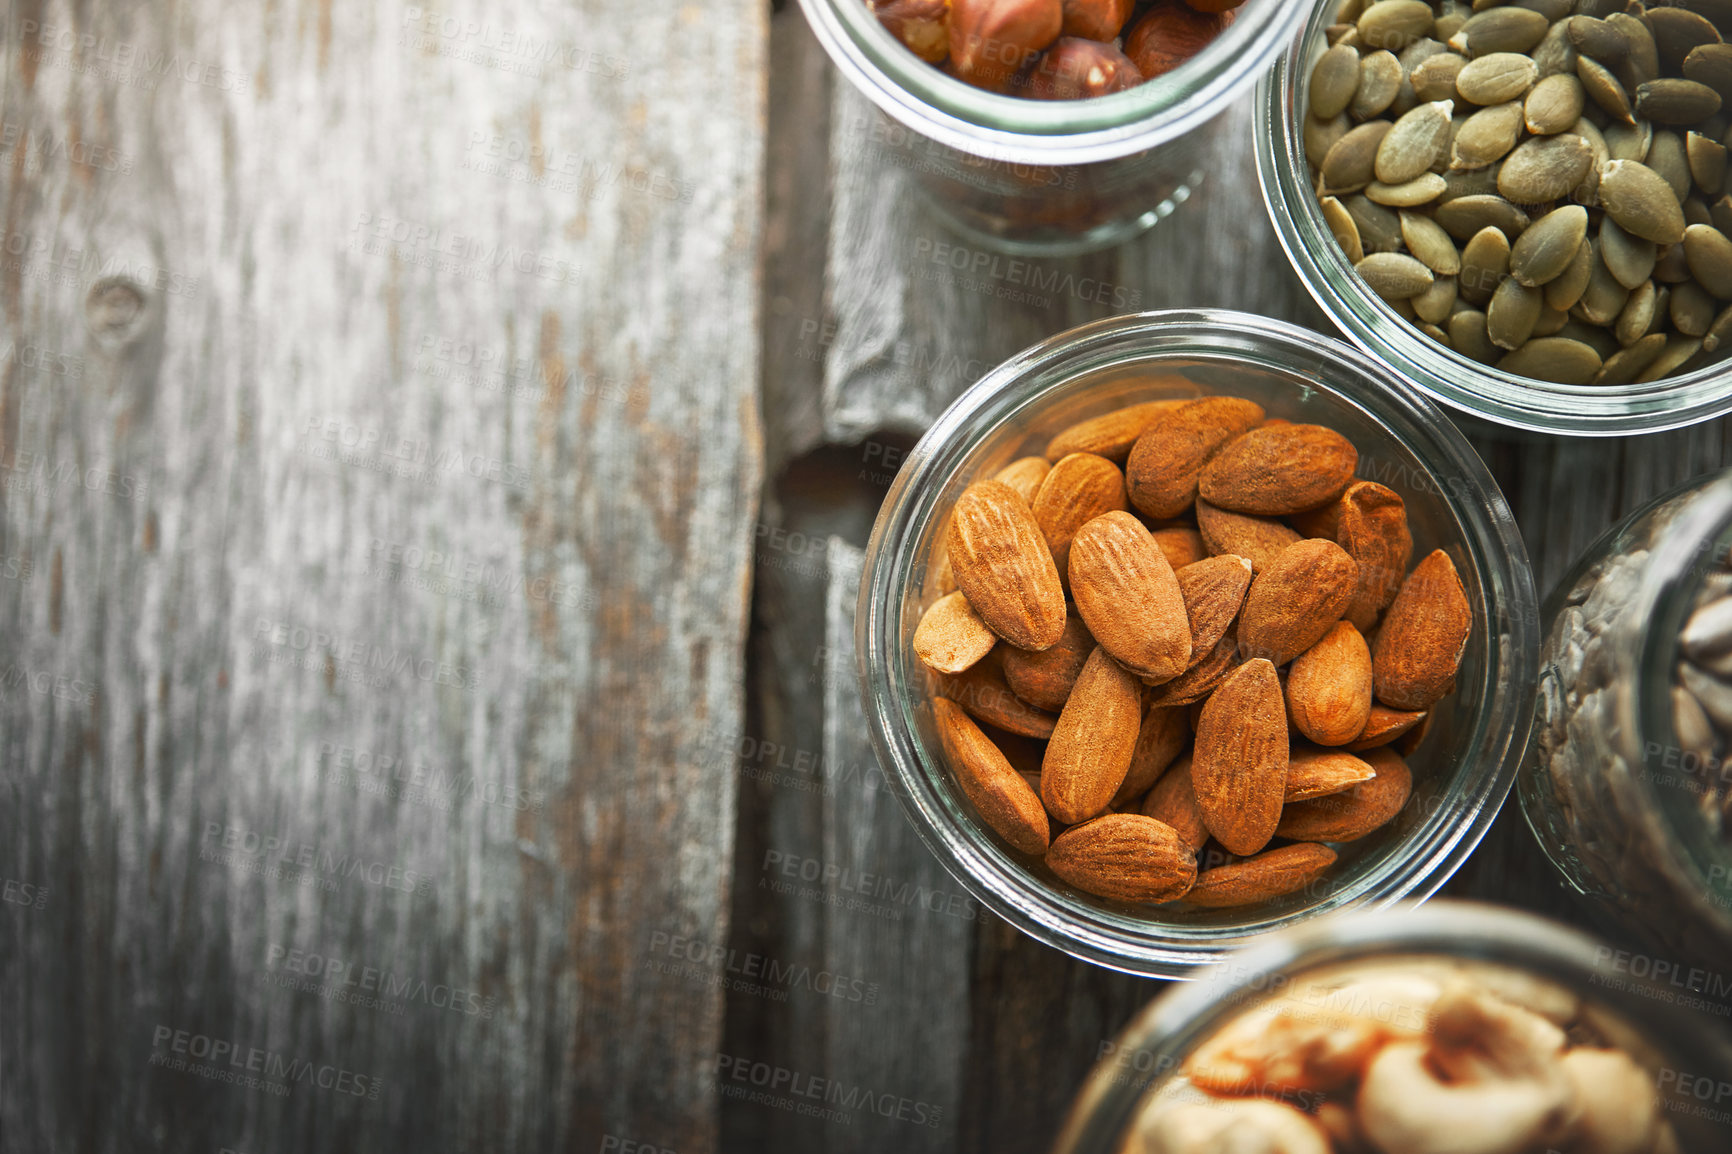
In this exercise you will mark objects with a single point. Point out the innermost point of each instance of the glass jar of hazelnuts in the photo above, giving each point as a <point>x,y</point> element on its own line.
<point>1049,126</point>
<point>1245,705</point>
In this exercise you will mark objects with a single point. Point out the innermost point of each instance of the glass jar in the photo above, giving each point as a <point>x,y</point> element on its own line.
<point>1047,177</point>
<point>1547,967</point>
<point>1370,322</point>
<point>1625,808</point>
<point>1462,771</point>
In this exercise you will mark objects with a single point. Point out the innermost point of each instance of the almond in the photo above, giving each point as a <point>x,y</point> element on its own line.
<point>1296,600</point>
<point>1004,567</point>
<point>1213,590</point>
<point>1004,800</point>
<point>1314,772</point>
<point>1126,857</point>
<point>1257,539</point>
<point>983,692</point>
<point>1162,470</point>
<point>1329,687</point>
<point>1200,680</point>
<point>1419,648</point>
<point>1164,734</point>
<point>1025,476</point>
<point>1110,435</point>
<point>1279,469</point>
<point>1352,814</point>
<point>1269,875</point>
<point>951,636</point>
<point>1079,488</point>
<point>1239,763</point>
<point>1044,678</point>
<point>1128,596</point>
<point>1372,527</point>
<point>1173,801</point>
<point>1383,726</point>
<point>1181,545</point>
<point>1091,746</point>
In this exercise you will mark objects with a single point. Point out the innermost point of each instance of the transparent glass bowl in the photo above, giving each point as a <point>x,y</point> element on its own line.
<point>1463,770</point>
<point>1048,177</point>
<point>1643,1015</point>
<point>1587,410</point>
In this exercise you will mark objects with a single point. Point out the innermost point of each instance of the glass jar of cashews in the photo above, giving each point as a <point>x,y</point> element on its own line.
<point>1452,1029</point>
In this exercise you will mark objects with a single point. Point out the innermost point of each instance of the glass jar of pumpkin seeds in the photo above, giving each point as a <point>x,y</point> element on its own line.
<point>1628,783</point>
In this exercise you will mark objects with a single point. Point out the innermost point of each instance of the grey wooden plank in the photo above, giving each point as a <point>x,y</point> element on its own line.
<point>234,614</point>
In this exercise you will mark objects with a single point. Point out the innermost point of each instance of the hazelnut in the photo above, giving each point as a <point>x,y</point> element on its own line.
<point>922,25</point>
<point>1214,5</point>
<point>1169,34</point>
<point>1076,69</point>
<point>1096,19</point>
<point>992,40</point>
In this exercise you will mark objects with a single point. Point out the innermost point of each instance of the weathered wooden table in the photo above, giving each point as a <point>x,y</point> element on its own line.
<point>436,443</point>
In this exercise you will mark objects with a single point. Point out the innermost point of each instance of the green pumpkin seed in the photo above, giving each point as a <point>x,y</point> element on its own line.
<point>1720,332</point>
<point>1409,148</point>
<point>1587,193</point>
<point>1641,61</point>
<point>1544,168</point>
<point>1603,89</point>
<point>1555,104</point>
<point>1334,79</point>
<point>1696,212</point>
<point>1450,20</point>
<point>1667,157</point>
<point>1709,254</point>
<point>1674,101</point>
<point>1435,78</point>
<point>1555,55</point>
<point>1597,39</point>
<point>1380,79</point>
<point>1394,276</point>
<point>1707,158</point>
<point>1711,64</point>
<point>1429,244</point>
<point>1379,227</point>
<point>1692,309</point>
<point>1600,340</point>
<point>1466,215</point>
<point>1638,314</point>
<point>1487,136</point>
<point>1604,299</point>
<point>1551,321</point>
<point>1468,336</point>
<point>1512,314</point>
<point>1433,332</point>
<point>1349,164</point>
<point>1484,266</point>
<point>1677,32</point>
<point>1553,10</point>
<point>1629,259</point>
<point>1500,30</point>
<point>1719,213</point>
<point>1411,194</point>
<point>1678,350</point>
<point>1321,135</point>
<point>1460,182</point>
<point>1568,286</point>
<point>1436,303</point>
<point>1542,253</point>
<point>1629,141</point>
<point>1394,24</point>
<point>1641,201</point>
<point>1671,267</point>
<point>1496,78</point>
<point>1341,226</point>
<point>1556,359</point>
<point>1625,365</point>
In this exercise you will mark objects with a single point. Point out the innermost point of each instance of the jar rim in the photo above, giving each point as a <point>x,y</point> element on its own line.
<point>1016,130</point>
<point>1369,322</point>
<point>1497,733</point>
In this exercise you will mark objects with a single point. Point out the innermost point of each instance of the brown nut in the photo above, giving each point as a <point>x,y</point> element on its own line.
<point>922,25</point>
<point>1096,19</point>
<point>1169,34</point>
<point>1077,69</point>
<point>992,40</point>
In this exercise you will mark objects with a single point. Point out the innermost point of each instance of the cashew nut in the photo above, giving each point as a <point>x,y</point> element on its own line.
<point>1478,1037</point>
<point>1618,1107</point>
<point>1338,1120</point>
<point>1240,1126</point>
<point>1406,1109</point>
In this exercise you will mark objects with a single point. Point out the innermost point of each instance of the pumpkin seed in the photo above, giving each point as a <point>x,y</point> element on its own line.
<point>1638,314</point>
<point>1484,266</point>
<point>1468,336</point>
<point>1692,309</point>
<point>1545,250</point>
<point>1629,259</point>
<point>1435,78</point>
<point>1696,212</point>
<point>1604,299</point>
<point>1433,332</point>
<point>1597,39</point>
<point>1544,168</point>
<point>1709,254</point>
<point>1334,79</point>
<point>1677,351</point>
<point>1711,64</point>
<point>1602,342</point>
<point>1460,182</point>
<point>1568,286</point>
<point>1552,10</point>
<point>1551,321</point>
<point>1512,314</point>
<point>1394,24</point>
<point>1429,244</point>
<point>1496,78</point>
<point>1671,267</point>
<point>1411,194</point>
<point>1587,193</point>
<point>1341,226</point>
<point>1707,158</point>
<point>1603,88</point>
<point>1408,148</point>
<point>1466,215</point>
<point>1350,162</point>
<point>1379,227</point>
<point>1436,303</point>
<point>1629,141</point>
<point>1555,54</point>
<point>1379,80</point>
<point>1556,359</point>
<point>1555,104</point>
<point>1625,365</point>
<point>1450,20</point>
<point>1394,276</point>
<point>1321,135</point>
<point>1677,32</point>
<point>1666,156</point>
<point>1719,213</point>
<point>1641,61</point>
<point>1641,201</point>
<point>1342,36</point>
<point>1487,136</point>
<point>1500,30</point>
<point>1674,101</point>
<point>1720,332</point>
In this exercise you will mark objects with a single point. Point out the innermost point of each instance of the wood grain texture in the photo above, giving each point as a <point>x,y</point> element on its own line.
<point>389,547</point>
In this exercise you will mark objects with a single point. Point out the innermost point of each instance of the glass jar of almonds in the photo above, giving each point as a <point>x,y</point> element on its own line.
<point>1629,780</point>
<point>1453,1029</point>
<point>1039,749</point>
